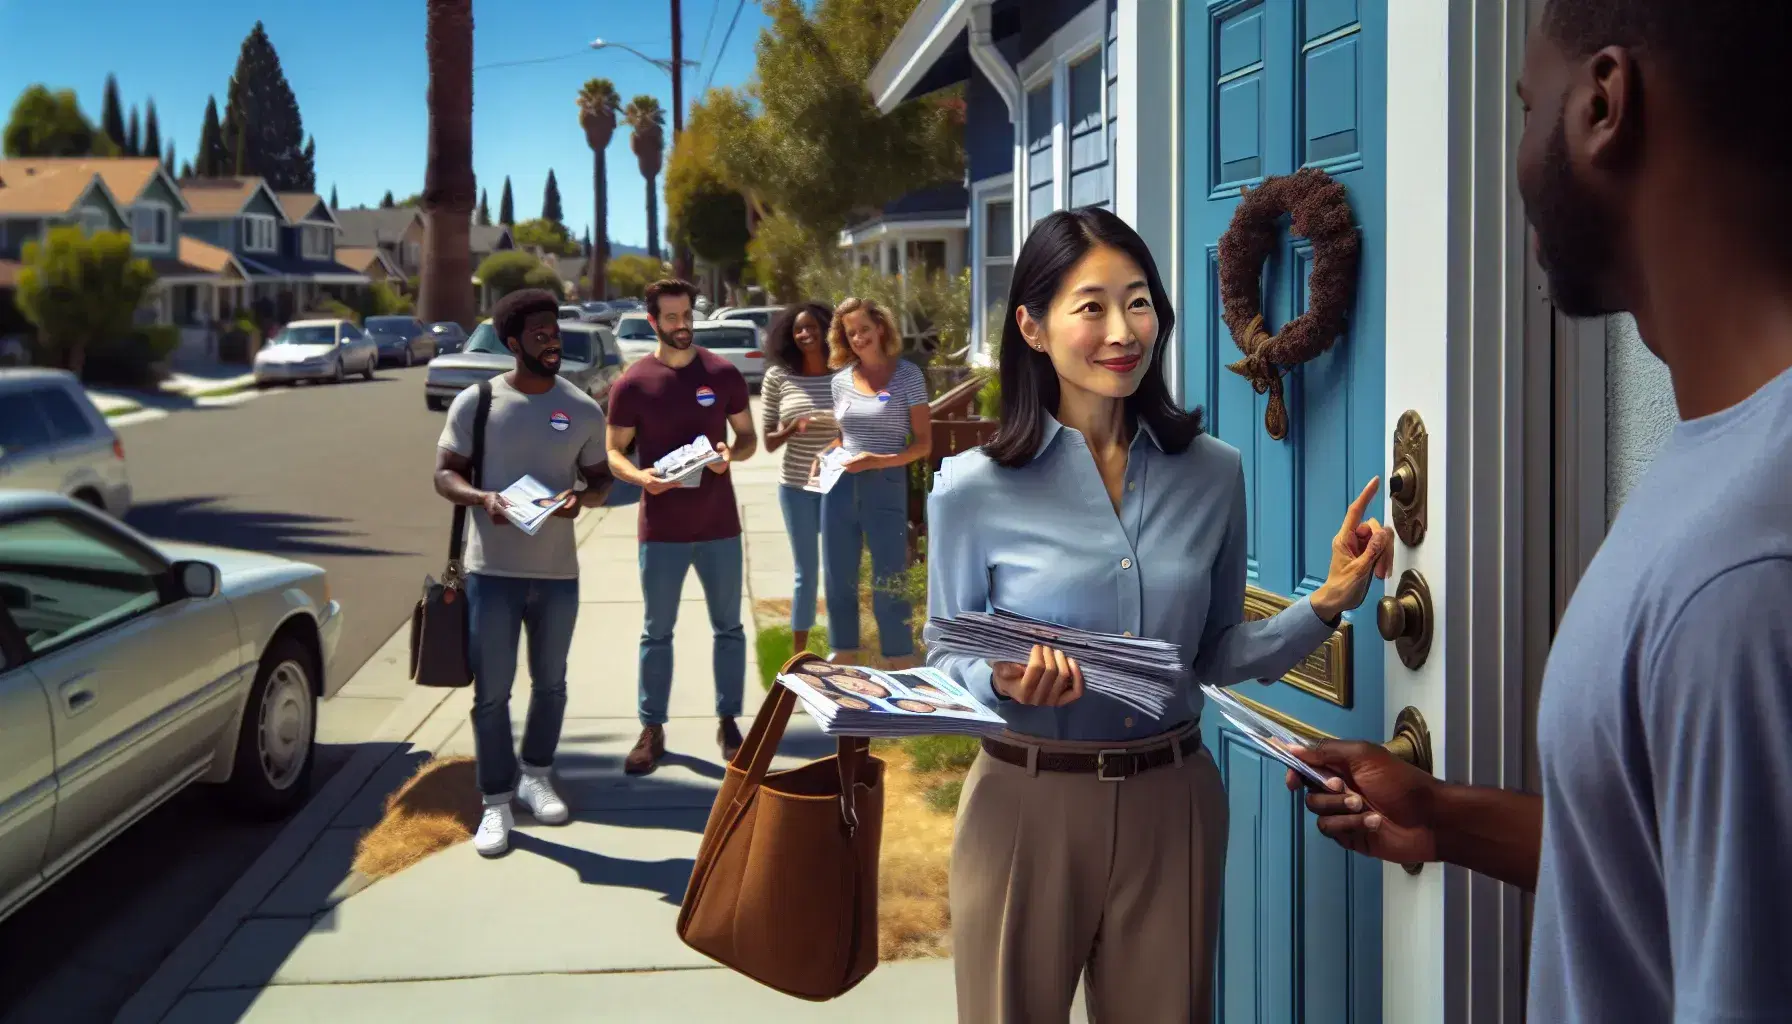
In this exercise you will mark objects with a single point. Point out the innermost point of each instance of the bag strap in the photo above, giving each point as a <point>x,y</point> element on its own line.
<point>475,475</point>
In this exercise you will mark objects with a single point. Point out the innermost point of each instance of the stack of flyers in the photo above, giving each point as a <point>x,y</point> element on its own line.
<point>529,504</point>
<point>831,467</point>
<point>1137,671</point>
<point>850,700</point>
<point>1272,738</point>
<point>684,465</point>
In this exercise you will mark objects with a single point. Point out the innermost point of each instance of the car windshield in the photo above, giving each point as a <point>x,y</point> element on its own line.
<point>635,329</point>
<point>485,339</point>
<point>761,317</point>
<point>727,337</point>
<point>595,307</point>
<point>624,304</point>
<point>451,330</point>
<point>388,324</point>
<point>576,344</point>
<point>571,312</point>
<point>315,334</point>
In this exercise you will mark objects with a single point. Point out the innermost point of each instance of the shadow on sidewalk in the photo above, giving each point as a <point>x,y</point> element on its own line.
<point>666,877</point>
<point>209,521</point>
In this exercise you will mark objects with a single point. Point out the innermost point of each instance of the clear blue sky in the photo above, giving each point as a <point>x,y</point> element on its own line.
<point>358,68</point>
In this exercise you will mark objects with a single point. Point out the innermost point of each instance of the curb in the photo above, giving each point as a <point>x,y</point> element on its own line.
<point>164,989</point>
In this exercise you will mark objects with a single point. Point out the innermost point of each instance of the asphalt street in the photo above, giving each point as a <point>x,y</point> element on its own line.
<point>335,475</point>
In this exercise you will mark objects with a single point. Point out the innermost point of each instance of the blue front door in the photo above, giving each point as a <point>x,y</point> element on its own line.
<point>1271,86</point>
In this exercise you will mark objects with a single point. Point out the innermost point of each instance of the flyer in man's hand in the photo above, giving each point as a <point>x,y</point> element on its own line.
<point>1267,735</point>
<point>833,467</point>
<point>684,465</point>
<point>528,503</point>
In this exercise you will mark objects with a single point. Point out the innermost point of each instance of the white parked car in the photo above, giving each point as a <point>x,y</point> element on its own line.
<point>53,439</point>
<point>736,341</point>
<point>316,350</point>
<point>636,336</point>
<point>132,668</point>
<point>761,316</point>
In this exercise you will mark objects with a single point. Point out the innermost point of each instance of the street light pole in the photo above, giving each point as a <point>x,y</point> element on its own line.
<point>681,257</point>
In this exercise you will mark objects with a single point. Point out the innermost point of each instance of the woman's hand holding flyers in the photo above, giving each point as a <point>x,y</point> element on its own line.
<point>1049,678</point>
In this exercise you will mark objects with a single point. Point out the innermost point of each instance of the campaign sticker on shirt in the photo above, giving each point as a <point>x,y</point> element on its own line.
<point>706,396</point>
<point>559,420</point>
<point>883,397</point>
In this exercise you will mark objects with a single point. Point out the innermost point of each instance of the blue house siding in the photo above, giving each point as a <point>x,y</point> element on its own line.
<point>221,232</point>
<point>988,134</point>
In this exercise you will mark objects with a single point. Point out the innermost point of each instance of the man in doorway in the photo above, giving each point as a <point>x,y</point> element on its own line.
<point>1655,185</point>
<point>663,402</point>
<point>542,426</point>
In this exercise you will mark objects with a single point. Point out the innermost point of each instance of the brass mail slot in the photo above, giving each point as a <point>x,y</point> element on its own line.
<point>1325,673</point>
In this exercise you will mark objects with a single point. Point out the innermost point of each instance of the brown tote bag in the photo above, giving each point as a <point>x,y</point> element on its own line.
<point>439,630</point>
<point>785,885</point>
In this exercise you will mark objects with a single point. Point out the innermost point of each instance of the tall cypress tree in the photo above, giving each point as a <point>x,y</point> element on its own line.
<point>507,206</point>
<point>483,215</point>
<point>152,132</point>
<point>333,203</point>
<point>168,158</point>
<point>209,159</point>
<point>262,128</point>
<point>186,169</point>
<point>308,179</point>
<point>550,200</point>
<point>387,202</point>
<point>133,136</point>
<point>112,114</point>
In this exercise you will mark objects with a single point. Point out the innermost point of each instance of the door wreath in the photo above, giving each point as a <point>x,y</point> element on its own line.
<point>1320,211</point>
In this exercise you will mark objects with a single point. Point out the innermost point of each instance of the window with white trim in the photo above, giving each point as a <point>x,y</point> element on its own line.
<point>314,242</point>
<point>1069,115</point>
<point>1041,154</point>
<point>995,259</point>
<point>149,224</point>
<point>260,233</point>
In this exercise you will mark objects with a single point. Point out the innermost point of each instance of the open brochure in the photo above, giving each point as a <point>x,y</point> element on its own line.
<point>529,504</point>
<point>1272,738</point>
<point>832,468</point>
<point>684,465</point>
<point>850,700</point>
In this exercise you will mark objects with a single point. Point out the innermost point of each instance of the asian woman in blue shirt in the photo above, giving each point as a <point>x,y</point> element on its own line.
<point>1091,837</point>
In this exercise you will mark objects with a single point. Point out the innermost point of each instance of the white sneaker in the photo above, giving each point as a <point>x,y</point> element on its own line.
<point>493,836</point>
<point>537,794</point>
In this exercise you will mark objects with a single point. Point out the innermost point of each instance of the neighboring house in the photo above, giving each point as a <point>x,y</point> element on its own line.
<point>1163,110</point>
<point>397,232</point>
<point>922,232</point>
<point>372,262</point>
<point>307,254</point>
<point>34,199</point>
<point>486,239</point>
<point>245,218</point>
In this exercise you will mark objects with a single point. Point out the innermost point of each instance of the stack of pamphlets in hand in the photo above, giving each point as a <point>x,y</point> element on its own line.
<point>684,465</point>
<point>1137,671</point>
<point>529,504</point>
<point>833,467</point>
<point>1273,739</point>
<point>850,700</point>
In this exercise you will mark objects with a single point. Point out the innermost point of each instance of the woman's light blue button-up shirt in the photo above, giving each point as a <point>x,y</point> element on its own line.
<point>1044,541</point>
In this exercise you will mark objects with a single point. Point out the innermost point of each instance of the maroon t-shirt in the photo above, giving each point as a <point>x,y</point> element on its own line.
<point>668,408</point>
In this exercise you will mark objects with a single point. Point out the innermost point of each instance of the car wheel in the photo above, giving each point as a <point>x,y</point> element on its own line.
<point>435,404</point>
<point>341,373</point>
<point>90,497</point>
<point>410,358</point>
<point>367,373</point>
<point>277,739</point>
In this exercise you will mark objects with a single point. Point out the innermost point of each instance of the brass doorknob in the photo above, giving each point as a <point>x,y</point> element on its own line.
<point>1411,743</point>
<point>1405,619</point>
<point>1403,482</point>
<point>1402,615</point>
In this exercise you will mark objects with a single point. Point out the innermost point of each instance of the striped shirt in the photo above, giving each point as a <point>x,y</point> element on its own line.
<point>784,396</point>
<point>879,423</point>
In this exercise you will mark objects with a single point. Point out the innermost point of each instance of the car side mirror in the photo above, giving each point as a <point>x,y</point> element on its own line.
<point>197,580</point>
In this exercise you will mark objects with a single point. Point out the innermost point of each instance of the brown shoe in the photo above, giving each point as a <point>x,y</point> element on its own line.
<point>647,752</point>
<point>728,736</point>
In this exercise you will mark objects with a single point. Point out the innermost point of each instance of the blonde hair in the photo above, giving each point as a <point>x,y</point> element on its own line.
<point>839,352</point>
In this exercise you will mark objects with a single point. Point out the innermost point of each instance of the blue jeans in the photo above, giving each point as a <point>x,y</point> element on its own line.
<point>802,520</point>
<point>499,608</point>
<point>868,509</point>
<point>663,568</point>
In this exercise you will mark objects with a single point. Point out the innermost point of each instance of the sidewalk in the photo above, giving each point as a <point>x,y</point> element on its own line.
<point>576,923</point>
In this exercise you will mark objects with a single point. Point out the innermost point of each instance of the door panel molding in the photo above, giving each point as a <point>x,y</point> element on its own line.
<point>1326,673</point>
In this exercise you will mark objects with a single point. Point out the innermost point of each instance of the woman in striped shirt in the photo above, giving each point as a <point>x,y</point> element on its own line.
<point>798,415</point>
<point>880,401</point>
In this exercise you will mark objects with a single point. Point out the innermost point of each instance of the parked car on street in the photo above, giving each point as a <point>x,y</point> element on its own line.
<point>761,316</point>
<point>589,357</point>
<point>316,350</point>
<point>449,336</point>
<point>53,439</point>
<point>131,668</point>
<point>400,339</point>
<point>601,312</point>
<point>636,336</point>
<point>736,341</point>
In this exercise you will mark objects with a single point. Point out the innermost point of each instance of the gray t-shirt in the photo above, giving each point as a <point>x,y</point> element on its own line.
<point>1663,735</point>
<point>547,436</point>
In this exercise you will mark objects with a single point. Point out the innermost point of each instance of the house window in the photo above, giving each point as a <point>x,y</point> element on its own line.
<point>260,233</point>
<point>1069,115</point>
<point>94,221</point>
<point>1040,153</point>
<point>412,253</point>
<point>995,259</point>
<point>314,241</point>
<point>149,225</point>
<point>1087,132</point>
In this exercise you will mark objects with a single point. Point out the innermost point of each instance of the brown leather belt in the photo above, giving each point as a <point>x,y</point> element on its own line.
<point>1106,765</point>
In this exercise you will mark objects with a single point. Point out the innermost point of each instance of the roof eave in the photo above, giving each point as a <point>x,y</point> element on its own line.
<point>924,38</point>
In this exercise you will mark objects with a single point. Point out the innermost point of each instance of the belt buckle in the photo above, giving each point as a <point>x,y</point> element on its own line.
<point>1101,766</point>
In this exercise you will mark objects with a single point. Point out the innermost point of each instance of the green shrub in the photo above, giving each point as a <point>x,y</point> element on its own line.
<point>775,644</point>
<point>334,309</point>
<point>941,753</point>
<point>943,796</point>
<point>130,360</point>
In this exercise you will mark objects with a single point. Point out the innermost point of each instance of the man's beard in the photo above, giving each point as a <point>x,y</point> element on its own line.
<point>1575,235</point>
<point>534,365</point>
<point>676,340</point>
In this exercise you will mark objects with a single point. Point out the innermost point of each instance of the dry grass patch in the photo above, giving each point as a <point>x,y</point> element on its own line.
<point>771,610</point>
<point>434,809</point>
<point>922,779</point>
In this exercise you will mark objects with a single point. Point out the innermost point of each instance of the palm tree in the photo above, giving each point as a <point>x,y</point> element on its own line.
<point>647,123</point>
<point>449,188</point>
<point>598,104</point>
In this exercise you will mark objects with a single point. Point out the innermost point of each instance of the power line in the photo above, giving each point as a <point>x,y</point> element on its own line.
<point>703,54</point>
<point>724,48</point>
<point>533,60</point>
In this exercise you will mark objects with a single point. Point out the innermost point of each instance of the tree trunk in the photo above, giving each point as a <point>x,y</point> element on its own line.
<point>653,222</point>
<point>445,291</point>
<point>600,234</point>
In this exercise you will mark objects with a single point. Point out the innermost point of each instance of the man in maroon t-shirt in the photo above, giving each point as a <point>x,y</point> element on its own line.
<point>662,403</point>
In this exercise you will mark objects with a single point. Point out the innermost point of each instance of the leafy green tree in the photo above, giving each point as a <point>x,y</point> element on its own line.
<point>550,200</point>
<point>483,216</point>
<point>387,202</point>
<point>507,206</point>
<point>779,251</point>
<point>598,103</point>
<point>45,123</point>
<point>415,199</point>
<point>186,169</point>
<point>629,274</point>
<point>647,138</point>
<point>79,290</point>
<point>152,132</point>
<point>112,114</point>
<point>513,269</point>
<point>210,160</point>
<point>262,127</point>
<point>704,213</point>
<point>546,235</point>
<point>133,136</point>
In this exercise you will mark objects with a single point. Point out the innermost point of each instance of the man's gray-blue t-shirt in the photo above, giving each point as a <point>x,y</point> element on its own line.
<point>1665,736</point>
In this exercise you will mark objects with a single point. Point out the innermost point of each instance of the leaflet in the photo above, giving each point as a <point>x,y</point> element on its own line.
<point>1140,672</point>
<point>832,468</point>
<point>684,465</point>
<point>851,700</point>
<point>528,504</point>
<point>1270,737</point>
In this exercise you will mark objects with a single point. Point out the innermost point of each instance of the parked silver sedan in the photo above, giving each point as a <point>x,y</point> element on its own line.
<point>316,350</point>
<point>131,668</point>
<point>736,341</point>
<point>636,336</point>
<point>589,358</point>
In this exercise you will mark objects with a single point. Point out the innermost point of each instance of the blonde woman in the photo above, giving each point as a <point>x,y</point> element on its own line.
<point>880,404</point>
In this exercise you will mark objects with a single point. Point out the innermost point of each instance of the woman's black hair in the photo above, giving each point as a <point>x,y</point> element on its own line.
<point>780,338</point>
<point>1028,380</point>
